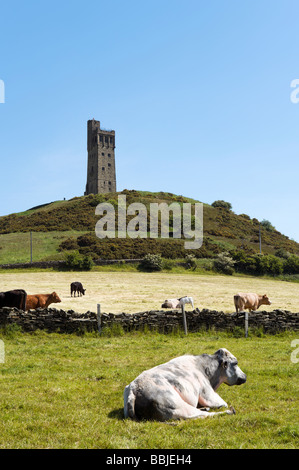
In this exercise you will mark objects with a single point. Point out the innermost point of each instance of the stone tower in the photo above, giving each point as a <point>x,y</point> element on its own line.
<point>101,160</point>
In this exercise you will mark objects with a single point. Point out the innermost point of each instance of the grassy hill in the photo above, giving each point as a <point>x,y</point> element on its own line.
<point>67,225</point>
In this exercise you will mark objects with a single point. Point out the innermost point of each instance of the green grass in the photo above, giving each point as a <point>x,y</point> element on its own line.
<point>15,247</point>
<point>65,391</point>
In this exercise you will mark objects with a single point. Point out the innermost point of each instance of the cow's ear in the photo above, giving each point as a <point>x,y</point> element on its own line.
<point>224,364</point>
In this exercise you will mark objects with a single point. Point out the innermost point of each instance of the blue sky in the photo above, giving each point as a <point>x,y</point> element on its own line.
<point>198,93</point>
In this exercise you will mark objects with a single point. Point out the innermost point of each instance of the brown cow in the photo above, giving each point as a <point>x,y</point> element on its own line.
<point>250,301</point>
<point>41,300</point>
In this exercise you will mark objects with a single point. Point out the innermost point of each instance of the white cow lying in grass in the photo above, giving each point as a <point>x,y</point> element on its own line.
<point>186,300</point>
<point>183,388</point>
<point>177,303</point>
<point>171,303</point>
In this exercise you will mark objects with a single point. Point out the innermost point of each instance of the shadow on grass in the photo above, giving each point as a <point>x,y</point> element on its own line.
<point>117,414</point>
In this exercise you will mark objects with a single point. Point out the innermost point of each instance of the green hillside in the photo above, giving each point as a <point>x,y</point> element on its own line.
<point>70,225</point>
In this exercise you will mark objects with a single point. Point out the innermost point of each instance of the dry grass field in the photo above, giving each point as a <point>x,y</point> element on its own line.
<point>135,292</point>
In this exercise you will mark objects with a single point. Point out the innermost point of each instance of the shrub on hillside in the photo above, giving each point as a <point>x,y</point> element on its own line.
<point>265,264</point>
<point>267,225</point>
<point>282,253</point>
<point>68,244</point>
<point>244,263</point>
<point>245,216</point>
<point>75,261</point>
<point>127,248</point>
<point>291,265</point>
<point>224,263</point>
<point>269,264</point>
<point>151,263</point>
<point>222,204</point>
<point>191,261</point>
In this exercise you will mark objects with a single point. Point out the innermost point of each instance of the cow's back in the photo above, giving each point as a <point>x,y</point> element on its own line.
<point>246,300</point>
<point>32,302</point>
<point>14,298</point>
<point>76,286</point>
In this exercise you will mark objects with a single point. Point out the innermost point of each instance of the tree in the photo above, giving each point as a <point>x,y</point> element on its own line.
<point>267,225</point>
<point>222,204</point>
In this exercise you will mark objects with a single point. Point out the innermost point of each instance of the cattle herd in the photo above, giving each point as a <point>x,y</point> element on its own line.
<point>241,301</point>
<point>182,388</point>
<point>20,299</point>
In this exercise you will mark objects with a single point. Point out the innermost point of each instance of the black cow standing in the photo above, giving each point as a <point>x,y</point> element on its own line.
<point>14,298</point>
<point>77,287</point>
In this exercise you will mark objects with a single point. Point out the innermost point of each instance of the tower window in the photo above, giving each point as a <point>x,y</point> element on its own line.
<point>103,168</point>
<point>101,138</point>
<point>106,139</point>
<point>109,165</point>
<point>109,154</point>
<point>103,154</point>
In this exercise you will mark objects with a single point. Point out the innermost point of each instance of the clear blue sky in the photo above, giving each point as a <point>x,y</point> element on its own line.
<point>198,93</point>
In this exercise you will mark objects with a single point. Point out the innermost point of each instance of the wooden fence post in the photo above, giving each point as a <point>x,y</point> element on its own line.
<point>99,317</point>
<point>246,324</point>
<point>184,318</point>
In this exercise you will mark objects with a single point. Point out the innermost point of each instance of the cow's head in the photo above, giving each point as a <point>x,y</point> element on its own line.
<point>265,300</point>
<point>83,291</point>
<point>55,298</point>
<point>230,373</point>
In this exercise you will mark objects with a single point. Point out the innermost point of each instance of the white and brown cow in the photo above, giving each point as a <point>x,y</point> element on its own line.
<point>182,388</point>
<point>250,301</point>
<point>177,303</point>
<point>171,303</point>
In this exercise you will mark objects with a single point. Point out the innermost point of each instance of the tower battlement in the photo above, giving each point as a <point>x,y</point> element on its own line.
<point>101,176</point>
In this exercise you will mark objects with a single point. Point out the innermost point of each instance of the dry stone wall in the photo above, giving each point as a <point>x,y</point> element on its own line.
<point>164,321</point>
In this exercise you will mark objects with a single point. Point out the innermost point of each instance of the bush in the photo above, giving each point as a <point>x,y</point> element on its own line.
<point>224,263</point>
<point>151,263</point>
<point>259,264</point>
<point>282,253</point>
<point>77,262</point>
<point>245,216</point>
<point>291,265</point>
<point>244,263</point>
<point>222,204</point>
<point>191,262</point>
<point>128,248</point>
<point>267,225</point>
<point>269,264</point>
<point>68,244</point>
<point>87,263</point>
